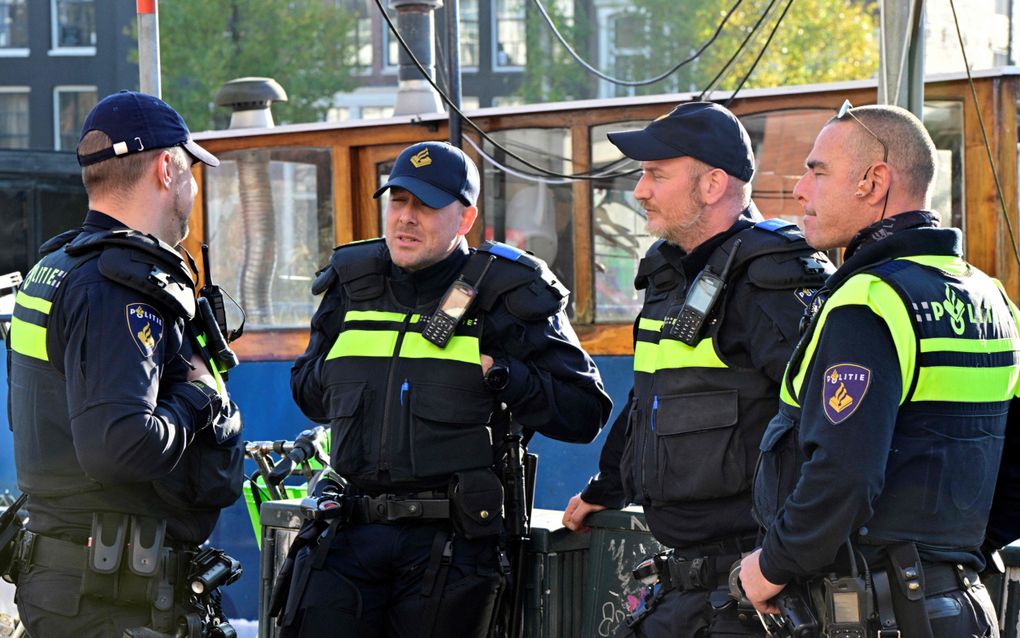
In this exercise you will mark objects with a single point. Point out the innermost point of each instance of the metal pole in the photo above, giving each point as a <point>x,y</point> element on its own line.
<point>901,67</point>
<point>453,51</point>
<point>416,22</point>
<point>148,48</point>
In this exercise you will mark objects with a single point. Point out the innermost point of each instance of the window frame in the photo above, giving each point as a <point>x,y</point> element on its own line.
<point>494,40</point>
<point>56,49</point>
<point>26,91</point>
<point>12,51</point>
<point>57,91</point>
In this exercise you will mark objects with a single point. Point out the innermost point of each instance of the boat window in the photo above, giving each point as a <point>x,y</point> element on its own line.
<point>534,214</point>
<point>269,226</point>
<point>618,223</point>
<point>782,141</point>
<point>944,121</point>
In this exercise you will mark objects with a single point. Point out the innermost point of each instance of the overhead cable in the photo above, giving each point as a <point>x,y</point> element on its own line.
<point>662,76</point>
<point>534,178</point>
<point>425,74</point>
<point>739,50</point>
<point>984,135</point>
<point>761,53</point>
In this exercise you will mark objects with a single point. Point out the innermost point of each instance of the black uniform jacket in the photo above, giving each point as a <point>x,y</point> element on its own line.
<point>131,425</point>
<point>874,465</point>
<point>554,387</point>
<point>759,330</point>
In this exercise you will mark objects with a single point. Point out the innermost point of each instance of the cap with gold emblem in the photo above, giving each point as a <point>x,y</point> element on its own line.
<point>437,173</point>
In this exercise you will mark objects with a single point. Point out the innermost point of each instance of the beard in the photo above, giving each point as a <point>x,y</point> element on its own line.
<point>691,230</point>
<point>178,219</point>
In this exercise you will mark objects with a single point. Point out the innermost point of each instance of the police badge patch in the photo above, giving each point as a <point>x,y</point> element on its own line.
<point>804,295</point>
<point>145,325</point>
<point>843,388</point>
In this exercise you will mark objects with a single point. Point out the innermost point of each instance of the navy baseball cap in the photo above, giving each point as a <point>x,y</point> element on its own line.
<point>436,173</point>
<point>702,130</point>
<point>138,122</point>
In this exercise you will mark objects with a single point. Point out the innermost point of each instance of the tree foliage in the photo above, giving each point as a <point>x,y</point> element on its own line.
<point>304,44</point>
<point>817,41</point>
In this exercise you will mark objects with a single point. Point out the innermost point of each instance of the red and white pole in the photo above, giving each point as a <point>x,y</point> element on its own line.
<point>148,48</point>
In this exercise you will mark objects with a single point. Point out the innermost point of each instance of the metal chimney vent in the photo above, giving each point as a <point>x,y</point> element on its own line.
<point>250,98</point>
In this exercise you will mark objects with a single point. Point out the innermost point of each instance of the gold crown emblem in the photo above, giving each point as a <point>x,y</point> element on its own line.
<point>834,376</point>
<point>138,312</point>
<point>421,158</point>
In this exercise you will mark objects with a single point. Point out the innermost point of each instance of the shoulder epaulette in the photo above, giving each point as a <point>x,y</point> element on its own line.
<point>142,262</point>
<point>655,271</point>
<point>524,281</point>
<point>775,255</point>
<point>359,266</point>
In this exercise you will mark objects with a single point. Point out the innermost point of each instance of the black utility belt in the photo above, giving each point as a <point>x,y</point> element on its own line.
<point>36,550</point>
<point>940,578</point>
<point>686,574</point>
<point>394,509</point>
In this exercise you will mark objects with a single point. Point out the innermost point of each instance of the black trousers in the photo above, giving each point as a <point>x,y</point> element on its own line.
<point>371,585</point>
<point>50,606</point>
<point>962,614</point>
<point>688,615</point>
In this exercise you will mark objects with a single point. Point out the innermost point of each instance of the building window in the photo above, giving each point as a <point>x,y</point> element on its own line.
<point>14,118</point>
<point>13,26</point>
<point>391,47</point>
<point>361,33</point>
<point>629,51</point>
<point>72,104</point>
<point>469,33</point>
<point>511,45</point>
<point>74,25</point>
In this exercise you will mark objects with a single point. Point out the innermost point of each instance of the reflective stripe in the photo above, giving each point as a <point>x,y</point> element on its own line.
<point>463,349</point>
<point>980,346</point>
<point>950,264</point>
<point>644,356</point>
<point>377,315</point>
<point>364,343</point>
<point>28,339</point>
<point>649,324</point>
<point>33,303</point>
<point>670,354</point>
<point>220,386</point>
<point>869,291</point>
<point>968,385</point>
<point>381,343</point>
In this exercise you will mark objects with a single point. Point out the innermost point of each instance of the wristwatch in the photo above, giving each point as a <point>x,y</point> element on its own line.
<point>215,401</point>
<point>497,378</point>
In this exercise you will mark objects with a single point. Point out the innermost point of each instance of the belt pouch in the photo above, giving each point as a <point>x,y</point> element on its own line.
<point>105,550</point>
<point>908,593</point>
<point>476,503</point>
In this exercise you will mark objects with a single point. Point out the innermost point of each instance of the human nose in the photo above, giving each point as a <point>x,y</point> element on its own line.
<point>641,190</point>
<point>799,190</point>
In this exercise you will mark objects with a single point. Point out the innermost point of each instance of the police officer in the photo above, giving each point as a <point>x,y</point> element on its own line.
<point>124,438</point>
<point>887,444</point>
<point>724,292</point>
<point>420,351</point>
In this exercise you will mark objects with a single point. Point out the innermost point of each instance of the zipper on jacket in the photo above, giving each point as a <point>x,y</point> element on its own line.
<point>384,443</point>
<point>644,446</point>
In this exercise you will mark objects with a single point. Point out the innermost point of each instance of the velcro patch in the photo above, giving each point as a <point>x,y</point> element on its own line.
<point>843,389</point>
<point>804,295</point>
<point>145,325</point>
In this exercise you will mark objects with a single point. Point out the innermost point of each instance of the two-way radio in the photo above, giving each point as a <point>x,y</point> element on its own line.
<point>454,306</point>
<point>686,323</point>
<point>213,314</point>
